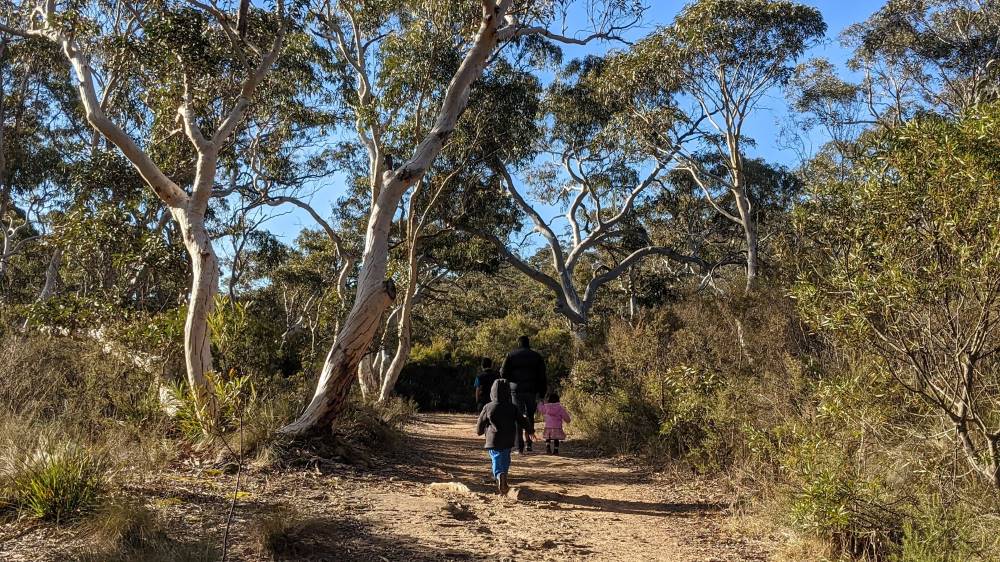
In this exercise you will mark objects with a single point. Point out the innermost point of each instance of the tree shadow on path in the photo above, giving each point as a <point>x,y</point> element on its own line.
<point>446,449</point>
<point>624,507</point>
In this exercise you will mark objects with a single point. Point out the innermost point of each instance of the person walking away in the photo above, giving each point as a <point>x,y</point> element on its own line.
<point>554,414</point>
<point>499,421</point>
<point>525,369</point>
<point>484,383</point>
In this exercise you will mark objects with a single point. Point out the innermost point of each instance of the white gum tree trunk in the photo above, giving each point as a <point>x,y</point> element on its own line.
<point>201,304</point>
<point>375,293</point>
<point>188,210</point>
<point>403,331</point>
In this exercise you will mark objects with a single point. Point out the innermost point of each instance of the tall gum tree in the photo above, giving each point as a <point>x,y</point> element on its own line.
<point>602,178</point>
<point>357,30</point>
<point>728,54</point>
<point>97,69</point>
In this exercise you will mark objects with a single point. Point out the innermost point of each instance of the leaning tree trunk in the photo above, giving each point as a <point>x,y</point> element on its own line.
<point>375,293</point>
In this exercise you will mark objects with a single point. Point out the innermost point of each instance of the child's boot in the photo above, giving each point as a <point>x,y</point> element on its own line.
<point>503,484</point>
<point>548,446</point>
<point>555,446</point>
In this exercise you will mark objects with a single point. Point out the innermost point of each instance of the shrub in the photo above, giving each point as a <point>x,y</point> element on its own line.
<point>378,426</point>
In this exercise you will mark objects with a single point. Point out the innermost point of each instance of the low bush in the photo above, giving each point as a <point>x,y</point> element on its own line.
<point>378,427</point>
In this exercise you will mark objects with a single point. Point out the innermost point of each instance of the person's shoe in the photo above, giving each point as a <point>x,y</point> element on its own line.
<point>503,484</point>
<point>500,484</point>
<point>548,447</point>
<point>529,446</point>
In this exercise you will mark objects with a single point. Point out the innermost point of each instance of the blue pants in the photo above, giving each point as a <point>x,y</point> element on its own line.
<point>501,461</point>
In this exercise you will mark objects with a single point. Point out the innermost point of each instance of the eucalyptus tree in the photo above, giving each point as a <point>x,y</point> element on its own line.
<point>469,40</point>
<point>727,55</point>
<point>939,55</point>
<point>167,72</point>
<point>602,179</point>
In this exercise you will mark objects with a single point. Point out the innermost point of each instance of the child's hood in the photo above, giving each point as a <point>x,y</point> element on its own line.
<point>500,391</point>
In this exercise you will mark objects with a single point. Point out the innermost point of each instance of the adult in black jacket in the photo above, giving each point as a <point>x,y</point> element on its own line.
<point>484,383</point>
<point>499,421</point>
<point>525,369</point>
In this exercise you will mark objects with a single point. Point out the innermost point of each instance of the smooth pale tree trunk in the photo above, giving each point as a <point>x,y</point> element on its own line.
<point>51,281</point>
<point>743,205</point>
<point>4,257</point>
<point>51,276</point>
<point>187,209</point>
<point>201,304</point>
<point>404,343</point>
<point>367,378</point>
<point>375,293</point>
<point>750,233</point>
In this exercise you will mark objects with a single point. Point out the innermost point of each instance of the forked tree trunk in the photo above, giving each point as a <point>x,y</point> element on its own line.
<point>373,297</point>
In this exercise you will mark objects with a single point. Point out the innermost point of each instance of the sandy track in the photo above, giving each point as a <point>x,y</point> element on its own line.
<point>570,507</point>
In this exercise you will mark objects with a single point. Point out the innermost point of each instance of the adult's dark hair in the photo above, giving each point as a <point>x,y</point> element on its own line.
<point>552,397</point>
<point>486,363</point>
<point>523,342</point>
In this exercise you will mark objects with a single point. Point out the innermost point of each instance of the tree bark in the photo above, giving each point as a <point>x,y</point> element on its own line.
<point>750,233</point>
<point>375,293</point>
<point>201,304</point>
<point>404,343</point>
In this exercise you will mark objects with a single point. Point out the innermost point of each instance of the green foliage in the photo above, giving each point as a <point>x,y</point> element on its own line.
<point>438,378</point>
<point>496,337</point>
<point>905,266</point>
<point>745,35</point>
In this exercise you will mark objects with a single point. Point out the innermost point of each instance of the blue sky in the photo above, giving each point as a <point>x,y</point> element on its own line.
<point>764,126</point>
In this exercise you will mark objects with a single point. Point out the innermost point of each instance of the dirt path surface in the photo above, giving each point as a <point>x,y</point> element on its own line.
<point>438,504</point>
<point>567,507</point>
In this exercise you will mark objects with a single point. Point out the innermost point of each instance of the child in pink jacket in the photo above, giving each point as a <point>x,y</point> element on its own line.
<point>555,414</point>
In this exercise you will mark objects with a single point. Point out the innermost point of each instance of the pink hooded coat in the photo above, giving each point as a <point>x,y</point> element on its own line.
<point>554,415</point>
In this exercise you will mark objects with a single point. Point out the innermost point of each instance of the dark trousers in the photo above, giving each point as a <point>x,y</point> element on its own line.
<point>525,402</point>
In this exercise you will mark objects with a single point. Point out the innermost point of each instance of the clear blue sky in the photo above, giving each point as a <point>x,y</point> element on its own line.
<point>764,125</point>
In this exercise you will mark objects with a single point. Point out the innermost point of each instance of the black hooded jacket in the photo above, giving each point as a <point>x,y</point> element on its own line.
<point>525,369</point>
<point>500,419</point>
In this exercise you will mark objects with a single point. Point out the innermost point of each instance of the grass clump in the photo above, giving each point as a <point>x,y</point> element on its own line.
<point>130,532</point>
<point>53,482</point>
<point>285,535</point>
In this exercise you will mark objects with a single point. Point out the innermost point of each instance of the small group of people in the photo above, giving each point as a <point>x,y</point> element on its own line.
<point>508,402</point>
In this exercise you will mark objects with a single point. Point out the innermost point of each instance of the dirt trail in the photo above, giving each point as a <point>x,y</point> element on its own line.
<point>569,507</point>
<point>566,507</point>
